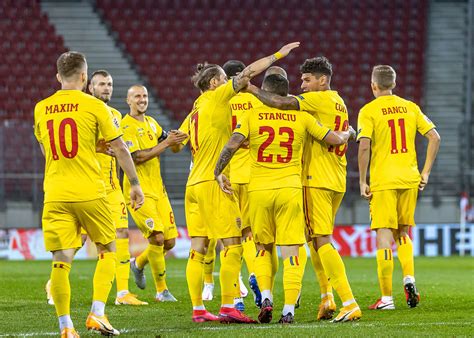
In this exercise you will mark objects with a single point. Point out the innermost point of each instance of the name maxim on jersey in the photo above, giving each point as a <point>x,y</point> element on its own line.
<point>62,108</point>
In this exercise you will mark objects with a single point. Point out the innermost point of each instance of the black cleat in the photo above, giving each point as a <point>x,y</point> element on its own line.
<point>265,315</point>
<point>287,319</point>
<point>412,295</point>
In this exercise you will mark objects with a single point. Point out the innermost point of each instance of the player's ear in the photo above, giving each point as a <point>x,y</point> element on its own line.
<point>58,78</point>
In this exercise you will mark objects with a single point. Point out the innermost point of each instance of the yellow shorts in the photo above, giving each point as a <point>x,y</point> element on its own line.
<point>391,208</point>
<point>62,222</point>
<point>210,212</point>
<point>242,195</point>
<point>320,208</point>
<point>277,216</point>
<point>155,215</point>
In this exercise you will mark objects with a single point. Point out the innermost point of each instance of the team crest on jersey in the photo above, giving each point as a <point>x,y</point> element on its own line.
<point>129,144</point>
<point>116,122</point>
<point>150,223</point>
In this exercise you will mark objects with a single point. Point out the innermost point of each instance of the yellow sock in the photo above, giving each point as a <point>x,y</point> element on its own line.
<point>210,262</point>
<point>324,285</point>
<point>264,269</point>
<point>231,262</point>
<point>122,272</point>
<point>275,265</point>
<point>156,259</point>
<point>302,257</point>
<point>405,256</point>
<point>249,253</point>
<point>335,270</point>
<point>104,276</point>
<point>292,278</point>
<point>194,270</point>
<point>385,271</point>
<point>60,288</point>
<point>142,259</point>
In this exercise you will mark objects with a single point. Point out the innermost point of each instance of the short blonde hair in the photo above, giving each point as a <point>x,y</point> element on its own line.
<point>384,76</point>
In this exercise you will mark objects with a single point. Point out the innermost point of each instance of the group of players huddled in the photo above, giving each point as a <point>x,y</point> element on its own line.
<point>268,169</point>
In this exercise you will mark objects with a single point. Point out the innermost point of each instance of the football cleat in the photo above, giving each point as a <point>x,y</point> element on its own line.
<point>69,333</point>
<point>348,314</point>
<point>230,315</point>
<point>287,319</point>
<point>49,296</point>
<point>129,299</point>
<point>239,304</point>
<point>208,291</point>
<point>266,311</point>
<point>380,305</point>
<point>101,324</point>
<point>243,289</point>
<point>138,274</point>
<point>201,316</point>
<point>165,296</point>
<point>412,295</point>
<point>327,308</point>
<point>257,295</point>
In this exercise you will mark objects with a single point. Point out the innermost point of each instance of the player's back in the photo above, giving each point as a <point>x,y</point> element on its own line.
<point>209,130</point>
<point>276,140</point>
<point>391,123</point>
<point>66,124</point>
<point>325,165</point>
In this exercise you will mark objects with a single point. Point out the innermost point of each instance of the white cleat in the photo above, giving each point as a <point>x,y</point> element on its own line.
<point>139,275</point>
<point>165,296</point>
<point>243,289</point>
<point>381,305</point>
<point>208,291</point>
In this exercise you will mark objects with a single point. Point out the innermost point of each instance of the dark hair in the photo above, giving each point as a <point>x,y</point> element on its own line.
<point>205,72</point>
<point>384,76</point>
<point>319,66</point>
<point>102,72</point>
<point>233,67</point>
<point>277,84</point>
<point>70,63</point>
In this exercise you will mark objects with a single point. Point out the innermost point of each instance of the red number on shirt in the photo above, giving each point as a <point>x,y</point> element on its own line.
<point>393,136</point>
<point>62,138</point>
<point>234,122</point>
<point>195,119</point>
<point>339,150</point>
<point>124,208</point>
<point>171,217</point>
<point>271,136</point>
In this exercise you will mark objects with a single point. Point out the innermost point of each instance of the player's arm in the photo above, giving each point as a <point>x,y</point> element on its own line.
<point>274,100</point>
<point>174,138</point>
<point>243,78</point>
<point>336,138</point>
<point>226,155</point>
<point>363,160</point>
<point>434,141</point>
<point>125,160</point>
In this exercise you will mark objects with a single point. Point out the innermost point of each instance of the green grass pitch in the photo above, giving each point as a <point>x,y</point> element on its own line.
<point>446,286</point>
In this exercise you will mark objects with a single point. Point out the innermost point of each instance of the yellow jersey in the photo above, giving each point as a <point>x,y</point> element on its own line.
<point>140,135</point>
<point>209,128</point>
<point>324,166</point>
<point>240,163</point>
<point>391,123</point>
<point>276,140</point>
<point>67,124</point>
<point>108,164</point>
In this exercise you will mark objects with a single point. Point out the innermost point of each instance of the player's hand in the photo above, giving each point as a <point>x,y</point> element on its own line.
<point>365,191</point>
<point>104,148</point>
<point>176,137</point>
<point>286,49</point>
<point>352,134</point>
<point>424,181</point>
<point>136,197</point>
<point>224,184</point>
<point>245,144</point>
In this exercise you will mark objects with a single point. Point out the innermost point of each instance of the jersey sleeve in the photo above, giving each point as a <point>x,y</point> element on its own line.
<point>109,126</point>
<point>365,125</point>
<point>130,136</point>
<point>184,128</point>
<point>36,128</point>
<point>225,92</point>
<point>423,123</point>
<point>308,101</point>
<point>242,126</point>
<point>314,127</point>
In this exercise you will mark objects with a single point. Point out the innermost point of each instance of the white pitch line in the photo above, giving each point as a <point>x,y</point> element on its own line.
<point>258,327</point>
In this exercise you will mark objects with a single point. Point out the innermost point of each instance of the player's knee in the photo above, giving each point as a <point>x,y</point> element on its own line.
<point>122,233</point>
<point>103,248</point>
<point>169,244</point>
<point>157,239</point>
<point>384,238</point>
<point>319,241</point>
